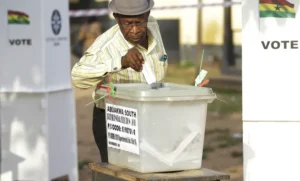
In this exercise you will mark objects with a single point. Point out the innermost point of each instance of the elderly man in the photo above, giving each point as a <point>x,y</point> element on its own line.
<point>119,54</point>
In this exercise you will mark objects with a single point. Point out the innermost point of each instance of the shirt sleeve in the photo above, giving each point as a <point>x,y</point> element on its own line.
<point>92,68</point>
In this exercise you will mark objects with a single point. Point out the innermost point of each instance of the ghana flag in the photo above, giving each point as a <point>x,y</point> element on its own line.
<point>17,17</point>
<point>276,8</point>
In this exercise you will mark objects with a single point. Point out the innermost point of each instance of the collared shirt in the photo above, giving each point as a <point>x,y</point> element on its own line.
<point>103,60</point>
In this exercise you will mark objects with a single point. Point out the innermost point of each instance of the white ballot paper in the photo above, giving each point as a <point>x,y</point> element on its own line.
<point>148,73</point>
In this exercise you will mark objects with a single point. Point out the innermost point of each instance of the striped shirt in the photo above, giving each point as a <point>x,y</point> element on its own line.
<point>102,61</point>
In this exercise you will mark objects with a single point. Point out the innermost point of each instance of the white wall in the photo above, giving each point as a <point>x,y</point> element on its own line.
<point>187,18</point>
<point>212,20</point>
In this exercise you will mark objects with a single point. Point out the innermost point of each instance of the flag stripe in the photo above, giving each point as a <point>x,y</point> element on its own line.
<point>17,17</point>
<point>18,22</point>
<point>276,14</point>
<point>17,13</point>
<point>272,7</point>
<point>279,2</point>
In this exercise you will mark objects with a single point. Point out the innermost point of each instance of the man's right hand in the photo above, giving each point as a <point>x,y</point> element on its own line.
<point>133,59</point>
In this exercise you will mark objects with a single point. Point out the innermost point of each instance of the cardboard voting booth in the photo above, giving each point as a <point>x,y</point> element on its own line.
<point>37,112</point>
<point>270,89</point>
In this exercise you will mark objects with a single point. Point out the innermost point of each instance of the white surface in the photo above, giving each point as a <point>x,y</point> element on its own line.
<point>38,127</point>
<point>40,66</point>
<point>271,151</point>
<point>270,88</point>
<point>56,48</point>
<point>62,139</point>
<point>169,158</point>
<point>270,97</point>
<point>38,138</point>
<point>165,128</point>
<point>122,128</point>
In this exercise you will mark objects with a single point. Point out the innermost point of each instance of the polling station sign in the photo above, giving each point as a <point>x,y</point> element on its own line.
<point>20,36</point>
<point>271,60</point>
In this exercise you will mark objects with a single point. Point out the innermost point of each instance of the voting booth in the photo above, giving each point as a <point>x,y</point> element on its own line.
<point>270,89</point>
<point>37,112</point>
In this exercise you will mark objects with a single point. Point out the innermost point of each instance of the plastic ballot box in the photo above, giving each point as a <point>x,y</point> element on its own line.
<point>156,128</point>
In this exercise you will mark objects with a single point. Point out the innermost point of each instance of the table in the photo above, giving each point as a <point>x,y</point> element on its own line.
<point>108,172</point>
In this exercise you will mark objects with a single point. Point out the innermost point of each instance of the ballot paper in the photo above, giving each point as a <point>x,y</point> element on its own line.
<point>148,73</point>
<point>200,77</point>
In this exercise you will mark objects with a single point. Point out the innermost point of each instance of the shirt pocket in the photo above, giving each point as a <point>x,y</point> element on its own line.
<point>162,59</point>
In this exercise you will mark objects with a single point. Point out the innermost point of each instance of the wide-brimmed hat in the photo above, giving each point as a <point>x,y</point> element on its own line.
<point>131,7</point>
